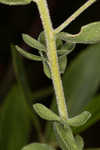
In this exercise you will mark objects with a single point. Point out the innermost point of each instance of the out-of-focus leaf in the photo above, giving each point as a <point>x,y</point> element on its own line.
<point>33,42</point>
<point>21,77</point>
<point>37,146</point>
<point>94,108</point>
<point>79,120</point>
<point>28,55</point>
<point>89,34</point>
<point>82,78</point>
<point>15,2</point>
<point>45,113</point>
<point>14,121</point>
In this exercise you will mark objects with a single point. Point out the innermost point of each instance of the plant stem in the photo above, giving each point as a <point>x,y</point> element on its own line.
<point>52,57</point>
<point>74,16</point>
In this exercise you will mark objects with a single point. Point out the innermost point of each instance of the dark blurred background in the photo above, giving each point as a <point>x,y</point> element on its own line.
<point>25,19</point>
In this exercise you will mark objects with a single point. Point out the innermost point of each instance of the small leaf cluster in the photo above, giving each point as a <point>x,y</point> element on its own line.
<point>63,49</point>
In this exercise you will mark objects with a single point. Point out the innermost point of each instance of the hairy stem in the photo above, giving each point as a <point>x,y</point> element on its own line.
<point>52,57</point>
<point>74,16</point>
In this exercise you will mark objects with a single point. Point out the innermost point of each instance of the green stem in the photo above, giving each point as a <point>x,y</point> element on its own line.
<point>52,57</point>
<point>74,16</point>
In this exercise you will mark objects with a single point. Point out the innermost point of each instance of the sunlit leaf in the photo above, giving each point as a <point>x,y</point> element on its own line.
<point>37,146</point>
<point>14,121</point>
<point>33,42</point>
<point>45,113</point>
<point>89,34</point>
<point>28,55</point>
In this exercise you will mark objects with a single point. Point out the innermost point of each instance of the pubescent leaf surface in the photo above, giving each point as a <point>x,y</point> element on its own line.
<point>88,34</point>
<point>33,42</point>
<point>28,55</point>
<point>45,113</point>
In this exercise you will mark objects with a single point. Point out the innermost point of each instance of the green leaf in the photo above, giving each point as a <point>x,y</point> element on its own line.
<point>79,120</point>
<point>33,42</point>
<point>21,77</point>
<point>28,55</point>
<point>81,79</point>
<point>14,121</point>
<point>94,108</point>
<point>80,142</point>
<point>45,113</point>
<point>64,137</point>
<point>46,69</point>
<point>37,146</point>
<point>15,2</point>
<point>62,63</point>
<point>89,34</point>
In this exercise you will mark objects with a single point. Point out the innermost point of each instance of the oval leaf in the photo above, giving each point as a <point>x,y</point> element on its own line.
<point>45,113</point>
<point>62,63</point>
<point>81,79</point>
<point>15,2</point>
<point>79,120</point>
<point>33,42</point>
<point>80,142</point>
<point>89,34</point>
<point>28,55</point>
<point>64,137</point>
<point>37,146</point>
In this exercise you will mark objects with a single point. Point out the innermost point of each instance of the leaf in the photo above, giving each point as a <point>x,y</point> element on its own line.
<point>89,34</point>
<point>15,2</point>
<point>46,69</point>
<point>28,55</point>
<point>37,146</point>
<point>45,113</point>
<point>79,120</point>
<point>62,63</point>
<point>64,137</point>
<point>94,108</point>
<point>14,121</point>
<point>21,77</point>
<point>33,42</point>
<point>81,79</point>
<point>80,142</point>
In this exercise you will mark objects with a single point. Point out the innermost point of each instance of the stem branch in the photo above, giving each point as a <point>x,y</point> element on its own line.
<point>52,57</point>
<point>74,16</point>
